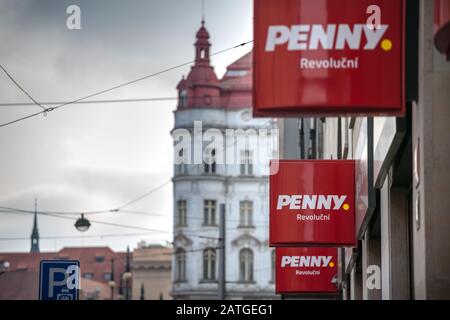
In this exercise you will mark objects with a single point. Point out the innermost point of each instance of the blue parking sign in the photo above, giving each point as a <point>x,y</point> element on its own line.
<point>59,280</point>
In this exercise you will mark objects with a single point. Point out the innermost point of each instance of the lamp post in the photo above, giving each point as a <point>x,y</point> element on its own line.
<point>112,285</point>
<point>142,292</point>
<point>111,282</point>
<point>127,275</point>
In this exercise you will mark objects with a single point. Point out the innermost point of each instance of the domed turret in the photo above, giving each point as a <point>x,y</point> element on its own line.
<point>201,87</point>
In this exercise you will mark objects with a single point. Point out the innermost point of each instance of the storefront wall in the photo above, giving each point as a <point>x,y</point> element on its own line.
<point>431,148</point>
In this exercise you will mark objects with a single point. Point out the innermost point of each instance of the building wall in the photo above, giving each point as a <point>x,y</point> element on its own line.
<point>151,268</point>
<point>226,186</point>
<point>413,243</point>
<point>156,280</point>
<point>431,118</point>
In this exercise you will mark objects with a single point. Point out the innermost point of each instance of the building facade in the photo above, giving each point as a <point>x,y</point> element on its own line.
<point>211,106</point>
<point>402,179</point>
<point>151,270</point>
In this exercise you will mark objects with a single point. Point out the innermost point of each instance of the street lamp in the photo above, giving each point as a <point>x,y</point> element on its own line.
<point>112,285</point>
<point>82,224</point>
<point>111,282</point>
<point>126,276</point>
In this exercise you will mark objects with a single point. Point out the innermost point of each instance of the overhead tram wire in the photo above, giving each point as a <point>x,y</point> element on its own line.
<point>154,231</point>
<point>46,110</point>
<point>21,88</point>
<point>108,235</point>
<point>107,101</point>
<point>154,254</point>
<point>16,210</point>
<point>114,210</point>
<point>18,104</point>
<point>144,195</point>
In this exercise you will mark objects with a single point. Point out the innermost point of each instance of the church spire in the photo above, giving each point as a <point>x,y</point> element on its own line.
<point>35,232</point>
<point>202,46</point>
<point>201,88</point>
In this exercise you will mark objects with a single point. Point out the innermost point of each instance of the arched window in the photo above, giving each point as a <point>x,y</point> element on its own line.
<point>272,267</point>
<point>246,265</point>
<point>209,264</point>
<point>180,265</point>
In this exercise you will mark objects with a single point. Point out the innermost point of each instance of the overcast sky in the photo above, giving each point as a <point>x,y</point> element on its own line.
<point>91,157</point>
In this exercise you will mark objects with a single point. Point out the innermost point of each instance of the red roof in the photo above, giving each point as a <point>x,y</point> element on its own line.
<point>202,88</point>
<point>24,285</point>
<point>202,33</point>
<point>93,260</point>
<point>236,84</point>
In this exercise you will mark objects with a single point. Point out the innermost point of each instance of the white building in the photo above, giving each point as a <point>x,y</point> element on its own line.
<point>200,188</point>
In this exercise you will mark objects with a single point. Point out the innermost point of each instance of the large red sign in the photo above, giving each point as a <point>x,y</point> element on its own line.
<point>312,203</point>
<point>306,270</point>
<point>328,57</point>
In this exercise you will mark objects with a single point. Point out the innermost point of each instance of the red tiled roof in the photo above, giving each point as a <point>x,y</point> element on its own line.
<point>22,274</point>
<point>20,284</point>
<point>24,285</point>
<point>236,84</point>
<point>86,256</point>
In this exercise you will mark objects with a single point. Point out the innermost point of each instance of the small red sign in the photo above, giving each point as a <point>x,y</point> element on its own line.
<point>312,203</point>
<point>306,270</point>
<point>329,57</point>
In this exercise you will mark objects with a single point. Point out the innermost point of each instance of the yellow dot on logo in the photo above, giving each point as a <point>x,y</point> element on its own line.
<point>345,206</point>
<point>331,264</point>
<point>386,45</point>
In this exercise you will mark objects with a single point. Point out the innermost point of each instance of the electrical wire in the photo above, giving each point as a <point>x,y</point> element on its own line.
<point>144,195</point>
<point>79,236</point>
<point>154,231</point>
<point>21,88</point>
<point>116,256</point>
<point>127,100</point>
<point>17,104</point>
<point>49,109</point>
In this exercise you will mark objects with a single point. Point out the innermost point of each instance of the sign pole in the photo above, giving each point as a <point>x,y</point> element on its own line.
<point>221,287</point>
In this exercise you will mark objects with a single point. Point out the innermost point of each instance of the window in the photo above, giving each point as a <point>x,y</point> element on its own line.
<point>107,276</point>
<point>246,214</point>
<point>88,275</point>
<point>180,265</point>
<point>209,212</point>
<point>272,267</point>
<point>246,163</point>
<point>182,213</point>
<point>209,264</point>
<point>99,258</point>
<point>210,161</point>
<point>181,167</point>
<point>246,265</point>
<point>236,73</point>
<point>182,98</point>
